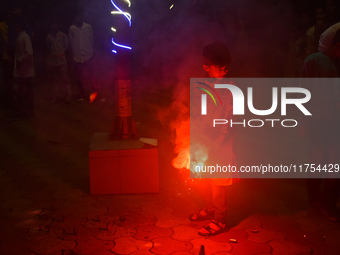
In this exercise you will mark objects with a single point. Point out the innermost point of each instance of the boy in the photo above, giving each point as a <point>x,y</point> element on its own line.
<point>57,44</point>
<point>216,64</point>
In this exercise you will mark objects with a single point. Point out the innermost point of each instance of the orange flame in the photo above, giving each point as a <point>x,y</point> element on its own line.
<point>93,96</point>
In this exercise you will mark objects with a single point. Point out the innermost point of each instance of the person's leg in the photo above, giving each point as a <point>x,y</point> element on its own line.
<point>64,82</point>
<point>220,203</point>
<point>218,224</point>
<point>330,196</point>
<point>78,69</point>
<point>204,189</point>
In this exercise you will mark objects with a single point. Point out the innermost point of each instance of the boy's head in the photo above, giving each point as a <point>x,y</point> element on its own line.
<point>216,59</point>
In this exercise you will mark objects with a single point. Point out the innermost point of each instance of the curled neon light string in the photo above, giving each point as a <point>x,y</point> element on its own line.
<point>128,17</point>
<point>124,13</point>
<point>128,2</point>
<point>120,45</point>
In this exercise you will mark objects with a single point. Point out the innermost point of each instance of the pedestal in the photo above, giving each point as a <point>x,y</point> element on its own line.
<point>123,166</point>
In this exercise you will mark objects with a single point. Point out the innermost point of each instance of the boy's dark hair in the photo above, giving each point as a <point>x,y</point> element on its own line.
<point>216,53</point>
<point>336,38</point>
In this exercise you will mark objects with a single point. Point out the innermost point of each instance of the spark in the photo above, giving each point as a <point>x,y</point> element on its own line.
<point>171,7</point>
<point>113,29</point>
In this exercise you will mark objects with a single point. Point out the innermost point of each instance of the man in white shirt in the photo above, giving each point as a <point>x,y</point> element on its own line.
<point>81,39</point>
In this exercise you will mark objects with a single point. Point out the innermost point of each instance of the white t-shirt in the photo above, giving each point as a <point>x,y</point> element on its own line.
<point>81,42</point>
<point>23,56</point>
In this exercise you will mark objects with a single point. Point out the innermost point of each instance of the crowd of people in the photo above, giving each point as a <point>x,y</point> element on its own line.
<point>18,62</point>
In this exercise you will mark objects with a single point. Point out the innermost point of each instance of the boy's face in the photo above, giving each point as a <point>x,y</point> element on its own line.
<point>215,71</point>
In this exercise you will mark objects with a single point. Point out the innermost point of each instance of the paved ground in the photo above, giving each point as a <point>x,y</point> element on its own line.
<point>46,208</point>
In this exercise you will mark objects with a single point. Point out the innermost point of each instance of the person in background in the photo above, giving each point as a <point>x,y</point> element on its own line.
<point>81,39</point>
<point>322,130</point>
<point>23,72</point>
<point>57,44</point>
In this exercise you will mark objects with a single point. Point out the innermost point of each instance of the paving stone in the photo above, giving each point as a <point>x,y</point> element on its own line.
<point>101,252</point>
<point>303,237</point>
<point>143,253</point>
<point>87,245</point>
<point>12,244</point>
<point>168,221</point>
<point>127,245</point>
<point>222,253</point>
<point>157,210</point>
<point>231,234</point>
<point>80,232</point>
<point>135,219</point>
<point>210,246</point>
<point>331,236</point>
<point>32,223</point>
<point>115,232</point>
<point>35,234</point>
<point>285,247</point>
<point>18,204</point>
<point>167,245</point>
<point>325,248</point>
<point>53,245</point>
<point>184,233</point>
<point>246,247</point>
<point>251,221</point>
<point>150,231</point>
<point>278,223</point>
<point>139,200</point>
<point>100,221</point>
<point>263,235</point>
<point>182,253</point>
<point>314,224</point>
<point>114,202</point>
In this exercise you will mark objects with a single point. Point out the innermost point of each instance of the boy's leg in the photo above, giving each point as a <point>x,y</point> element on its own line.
<point>218,224</point>
<point>220,203</point>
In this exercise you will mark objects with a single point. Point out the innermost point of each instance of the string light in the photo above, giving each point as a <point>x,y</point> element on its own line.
<point>124,13</point>
<point>121,45</point>
<point>128,2</point>
<point>127,16</point>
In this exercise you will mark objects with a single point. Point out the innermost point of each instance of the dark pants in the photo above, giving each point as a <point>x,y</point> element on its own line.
<point>84,73</point>
<point>23,95</point>
<point>324,142</point>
